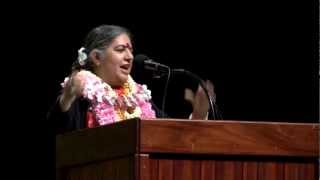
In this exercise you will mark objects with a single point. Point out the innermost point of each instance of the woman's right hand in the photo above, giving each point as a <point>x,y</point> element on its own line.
<point>72,89</point>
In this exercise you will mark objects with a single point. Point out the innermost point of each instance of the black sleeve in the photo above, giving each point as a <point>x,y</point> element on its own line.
<point>73,119</point>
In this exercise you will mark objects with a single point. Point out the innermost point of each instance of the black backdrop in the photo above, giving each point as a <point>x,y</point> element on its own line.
<point>261,56</point>
<point>262,59</point>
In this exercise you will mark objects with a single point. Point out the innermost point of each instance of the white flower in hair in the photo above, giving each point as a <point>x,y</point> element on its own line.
<point>82,56</point>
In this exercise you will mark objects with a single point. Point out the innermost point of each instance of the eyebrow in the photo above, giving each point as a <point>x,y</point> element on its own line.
<point>124,45</point>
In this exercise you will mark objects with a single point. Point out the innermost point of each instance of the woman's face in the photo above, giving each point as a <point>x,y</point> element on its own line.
<point>116,61</point>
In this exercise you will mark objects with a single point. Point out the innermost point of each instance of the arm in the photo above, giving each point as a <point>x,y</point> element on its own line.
<point>72,119</point>
<point>69,110</point>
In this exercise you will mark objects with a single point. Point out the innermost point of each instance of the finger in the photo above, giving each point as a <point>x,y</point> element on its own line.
<point>210,88</point>
<point>189,95</point>
<point>78,82</point>
<point>200,89</point>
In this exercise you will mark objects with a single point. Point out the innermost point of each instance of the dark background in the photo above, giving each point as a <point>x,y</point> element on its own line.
<point>261,56</point>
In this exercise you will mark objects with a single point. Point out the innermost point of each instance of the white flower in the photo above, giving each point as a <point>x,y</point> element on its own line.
<point>110,99</point>
<point>82,56</point>
<point>146,92</point>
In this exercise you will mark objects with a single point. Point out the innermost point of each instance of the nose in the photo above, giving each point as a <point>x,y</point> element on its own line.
<point>129,56</point>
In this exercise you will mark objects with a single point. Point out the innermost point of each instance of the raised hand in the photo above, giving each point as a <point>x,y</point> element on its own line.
<point>73,88</point>
<point>199,100</point>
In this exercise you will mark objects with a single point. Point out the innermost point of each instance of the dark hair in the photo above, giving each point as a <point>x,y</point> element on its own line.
<point>99,38</point>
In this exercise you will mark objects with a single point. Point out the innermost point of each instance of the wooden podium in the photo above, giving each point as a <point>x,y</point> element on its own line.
<point>175,149</point>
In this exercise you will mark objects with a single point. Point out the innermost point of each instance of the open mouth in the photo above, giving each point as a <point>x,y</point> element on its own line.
<point>125,67</point>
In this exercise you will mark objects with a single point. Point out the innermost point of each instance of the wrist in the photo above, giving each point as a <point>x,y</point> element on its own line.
<point>198,115</point>
<point>65,101</point>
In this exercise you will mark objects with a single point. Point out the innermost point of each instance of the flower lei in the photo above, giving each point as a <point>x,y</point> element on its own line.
<point>111,105</point>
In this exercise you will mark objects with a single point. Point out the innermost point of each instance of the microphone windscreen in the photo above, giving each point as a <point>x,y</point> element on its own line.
<point>140,58</point>
<point>138,69</point>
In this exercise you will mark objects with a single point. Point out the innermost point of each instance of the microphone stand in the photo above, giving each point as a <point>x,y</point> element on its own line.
<point>183,71</point>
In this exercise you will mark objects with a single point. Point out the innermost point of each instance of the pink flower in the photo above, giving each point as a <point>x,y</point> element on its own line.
<point>104,114</point>
<point>147,111</point>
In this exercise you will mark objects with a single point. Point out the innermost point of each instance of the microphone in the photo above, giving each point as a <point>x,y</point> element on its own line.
<point>144,62</point>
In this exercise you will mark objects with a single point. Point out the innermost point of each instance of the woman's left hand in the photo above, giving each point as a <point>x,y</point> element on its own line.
<point>199,101</point>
